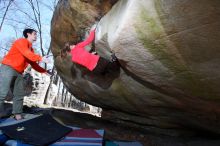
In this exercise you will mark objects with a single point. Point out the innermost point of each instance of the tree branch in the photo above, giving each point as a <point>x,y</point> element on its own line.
<point>9,3</point>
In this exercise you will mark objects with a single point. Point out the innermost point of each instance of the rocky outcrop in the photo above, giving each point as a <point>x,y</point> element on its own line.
<point>168,74</point>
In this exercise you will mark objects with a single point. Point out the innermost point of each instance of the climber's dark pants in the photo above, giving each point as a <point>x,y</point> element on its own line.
<point>9,77</point>
<point>101,66</point>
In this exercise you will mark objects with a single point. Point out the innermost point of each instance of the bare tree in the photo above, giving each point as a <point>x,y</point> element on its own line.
<point>5,13</point>
<point>58,93</point>
<point>51,6</point>
<point>62,96</point>
<point>37,18</point>
<point>34,16</point>
<point>49,87</point>
<point>34,4</point>
<point>31,9</point>
<point>5,47</point>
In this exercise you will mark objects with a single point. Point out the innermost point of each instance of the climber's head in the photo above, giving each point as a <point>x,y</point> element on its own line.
<point>30,34</point>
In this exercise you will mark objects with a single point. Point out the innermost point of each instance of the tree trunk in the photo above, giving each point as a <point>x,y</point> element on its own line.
<point>48,89</point>
<point>63,90</point>
<point>58,93</point>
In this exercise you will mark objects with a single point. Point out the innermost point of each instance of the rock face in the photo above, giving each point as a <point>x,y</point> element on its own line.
<point>168,74</point>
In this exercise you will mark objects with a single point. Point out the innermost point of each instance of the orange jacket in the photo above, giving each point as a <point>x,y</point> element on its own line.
<point>20,55</point>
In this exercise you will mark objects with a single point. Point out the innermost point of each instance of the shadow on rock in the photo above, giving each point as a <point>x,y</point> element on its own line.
<point>103,80</point>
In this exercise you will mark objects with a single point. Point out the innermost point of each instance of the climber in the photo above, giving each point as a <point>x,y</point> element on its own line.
<point>90,60</point>
<point>13,65</point>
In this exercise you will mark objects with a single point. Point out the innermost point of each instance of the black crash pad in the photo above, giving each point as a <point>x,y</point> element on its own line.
<point>39,131</point>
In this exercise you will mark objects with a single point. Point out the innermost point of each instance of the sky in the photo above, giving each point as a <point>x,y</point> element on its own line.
<point>12,29</point>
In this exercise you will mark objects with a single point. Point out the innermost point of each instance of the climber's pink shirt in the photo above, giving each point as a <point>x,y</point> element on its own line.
<point>81,56</point>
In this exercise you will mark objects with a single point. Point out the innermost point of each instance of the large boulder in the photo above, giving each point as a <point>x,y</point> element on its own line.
<point>168,73</point>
